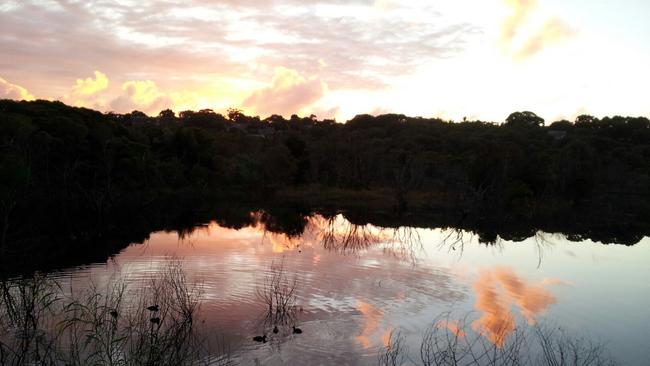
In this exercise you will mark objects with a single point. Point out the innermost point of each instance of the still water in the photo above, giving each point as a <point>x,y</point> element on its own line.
<point>357,284</point>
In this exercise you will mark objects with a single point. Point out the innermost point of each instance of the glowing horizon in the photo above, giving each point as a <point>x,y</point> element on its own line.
<point>466,58</point>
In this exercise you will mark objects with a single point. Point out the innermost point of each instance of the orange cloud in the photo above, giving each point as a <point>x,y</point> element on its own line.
<point>289,93</point>
<point>13,91</point>
<point>371,317</point>
<point>497,321</point>
<point>553,31</point>
<point>281,242</point>
<point>531,299</point>
<point>555,282</point>
<point>521,9</point>
<point>453,326</point>
<point>496,291</point>
<point>386,337</point>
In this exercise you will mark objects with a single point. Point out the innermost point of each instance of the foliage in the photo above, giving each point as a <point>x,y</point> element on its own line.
<point>87,167</point>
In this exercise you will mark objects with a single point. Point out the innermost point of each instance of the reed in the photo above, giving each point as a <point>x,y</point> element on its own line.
<point>452,342</point>
<point>106,325</point>
<point>277,292</point>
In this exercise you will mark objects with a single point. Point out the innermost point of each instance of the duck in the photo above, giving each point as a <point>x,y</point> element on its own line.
<point>153,308</point>
<point>261,338</point>
<point>297,330</point>
<point>275,330</point>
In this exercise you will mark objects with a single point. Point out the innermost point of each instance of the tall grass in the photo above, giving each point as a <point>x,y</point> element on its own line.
<point>277,292</point>
<point>44,325</point>
<point>455,342</point>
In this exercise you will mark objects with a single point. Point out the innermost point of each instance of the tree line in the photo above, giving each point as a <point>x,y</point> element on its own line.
<point>78,167</point>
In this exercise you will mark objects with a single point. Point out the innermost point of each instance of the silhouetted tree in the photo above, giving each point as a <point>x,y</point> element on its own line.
<point>526,119</point>
<point>585,120</point>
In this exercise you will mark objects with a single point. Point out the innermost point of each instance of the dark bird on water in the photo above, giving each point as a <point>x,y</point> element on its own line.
<point>297,330</point>
<point>275,329</point>
<point>155,320</point>
<point>113,313</point>
<point>153,308</point>
<point>260,338</point>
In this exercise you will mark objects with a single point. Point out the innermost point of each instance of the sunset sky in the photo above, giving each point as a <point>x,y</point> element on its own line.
<point>451,59</point>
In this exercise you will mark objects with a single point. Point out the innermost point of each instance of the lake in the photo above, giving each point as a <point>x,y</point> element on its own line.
<point>360,287</point>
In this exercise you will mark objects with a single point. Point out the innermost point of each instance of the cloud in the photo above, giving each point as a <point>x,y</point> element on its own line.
<point>371,318</point>
<point>497,322</point>
<point>12,91</point>
<point>553,31</point>
<point>496,290</point>
<point>142,95</point>
<point>454,326</point>
<point>147,96</point>
<point>547,281</point>
<point>289,93</point>
<point>188,42</point>
<point>88,92</point>
<point>531,299</point>
<point>90,86</point>
<point>386,5</point>
<point>521,9</point>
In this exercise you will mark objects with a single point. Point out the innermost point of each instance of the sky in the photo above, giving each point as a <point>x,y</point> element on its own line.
<point>479,59</point>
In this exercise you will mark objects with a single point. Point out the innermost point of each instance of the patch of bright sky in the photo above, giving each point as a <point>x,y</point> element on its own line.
<point>564,80</point>
<point>243,30</point>
<point>334,11</point>
<point>146,39</point>
<point>625,21</point>
<point>208,14</point>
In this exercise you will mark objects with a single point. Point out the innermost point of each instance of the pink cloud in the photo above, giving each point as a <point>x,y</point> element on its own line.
<point>142,95</point>
<point>289,93</point>
<point>46,45</point>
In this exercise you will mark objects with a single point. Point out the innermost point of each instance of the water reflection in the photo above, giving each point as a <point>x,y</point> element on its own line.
<point>497,290</point>
<point>156,323</point>
<point>356,284</point>
<point>57,247</point>
<point>371,319</point>
<point>338,235</point>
